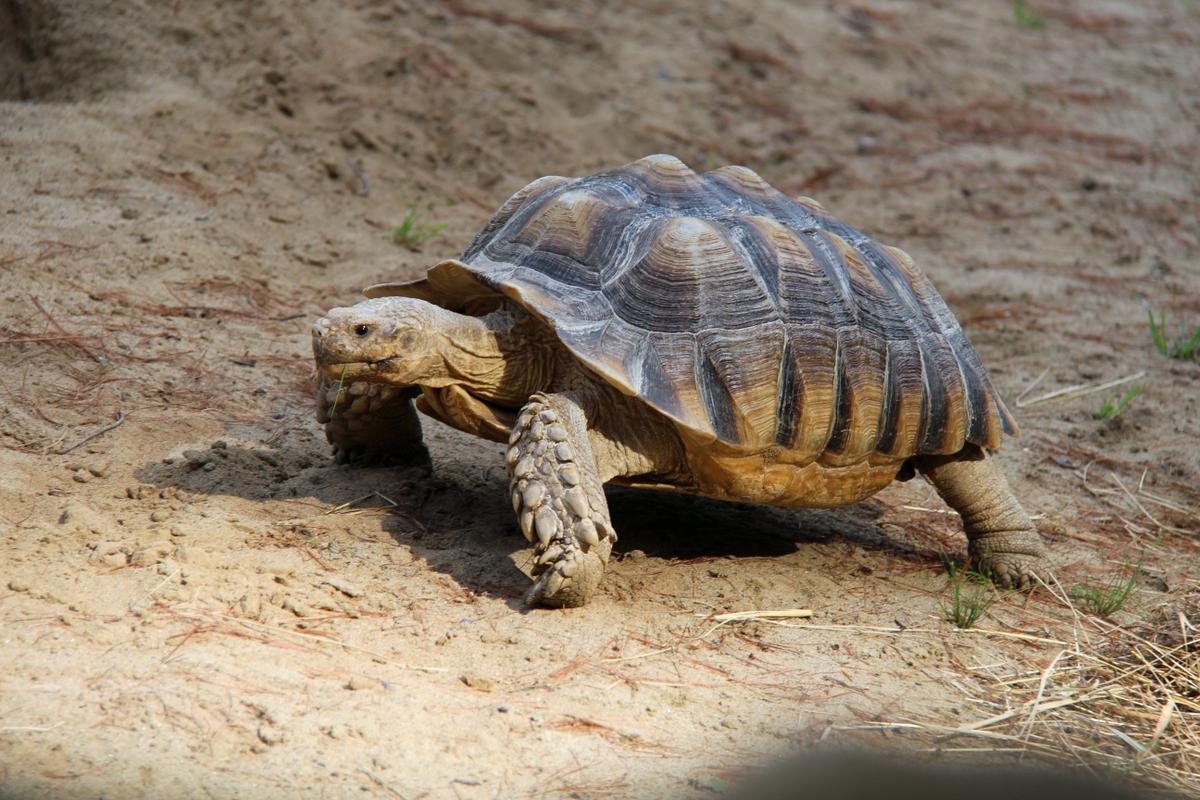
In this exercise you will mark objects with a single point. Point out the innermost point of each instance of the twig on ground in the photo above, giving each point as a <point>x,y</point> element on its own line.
<point>786,613</point>
<point>115,423</point>
<point>1141,507</point>
<point>220,622</point>
<point>133,604</point>
<point>343,508</point>
<point>1079,390</point>
<point>30,728</point>
<point>66,336</point>
<point>382,784</point>
<point>1025,393</point>
<point>529,24</point>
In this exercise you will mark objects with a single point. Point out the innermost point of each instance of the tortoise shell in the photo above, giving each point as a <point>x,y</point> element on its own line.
<point>751,319</point>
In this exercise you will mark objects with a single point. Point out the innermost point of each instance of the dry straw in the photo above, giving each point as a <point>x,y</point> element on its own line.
<point>1120,699</point>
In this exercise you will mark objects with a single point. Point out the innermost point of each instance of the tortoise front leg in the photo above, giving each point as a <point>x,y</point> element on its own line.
<point>371,423</point>
<point>1002,540</point>
<point>559,500</point>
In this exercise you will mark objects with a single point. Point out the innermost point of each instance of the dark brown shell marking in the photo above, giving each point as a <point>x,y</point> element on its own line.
<point>741,313</point>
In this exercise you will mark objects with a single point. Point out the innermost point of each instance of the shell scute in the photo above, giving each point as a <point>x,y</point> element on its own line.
<point>808,389</point>
<point>902,410</point>
<point>689,279</point>
<point>861,358</point>
<point>736,371</point>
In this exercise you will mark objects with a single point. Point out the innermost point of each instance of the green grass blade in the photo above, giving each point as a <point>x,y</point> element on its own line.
<point>1026,17</point>
<point>1156,333</point>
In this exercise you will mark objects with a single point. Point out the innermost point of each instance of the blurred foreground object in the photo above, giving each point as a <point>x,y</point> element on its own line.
<point>867,776</point>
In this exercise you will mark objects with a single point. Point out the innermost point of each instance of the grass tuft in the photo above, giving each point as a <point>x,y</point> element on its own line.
<point>1026,17</point>
<point>1111,408</point>
<point>971,593</point>
<point>1105,599</point>
<point>1184,346</point>
<point>411,235</point>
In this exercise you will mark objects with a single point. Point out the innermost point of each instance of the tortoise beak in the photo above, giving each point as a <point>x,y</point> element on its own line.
<point>319,329</point>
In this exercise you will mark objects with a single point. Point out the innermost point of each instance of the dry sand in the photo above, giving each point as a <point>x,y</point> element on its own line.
<point>189,608</point>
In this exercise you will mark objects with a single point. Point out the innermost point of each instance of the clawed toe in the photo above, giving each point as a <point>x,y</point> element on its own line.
<point>354,456</point>
<point>568,582</point>
<point>1012,570</point>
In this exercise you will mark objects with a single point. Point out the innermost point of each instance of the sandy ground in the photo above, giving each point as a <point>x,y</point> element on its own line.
<point>197,602</point>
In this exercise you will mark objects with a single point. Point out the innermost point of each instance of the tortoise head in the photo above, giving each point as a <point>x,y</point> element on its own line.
<point>385,340</point>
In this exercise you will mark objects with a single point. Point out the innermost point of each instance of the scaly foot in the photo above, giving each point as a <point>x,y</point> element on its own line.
<point>559,501</point>
<point>1012,559</point>
<point>371,424</point>
<point>1002,540</point>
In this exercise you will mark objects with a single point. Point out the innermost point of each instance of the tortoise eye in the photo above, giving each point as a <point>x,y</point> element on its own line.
<point>362,330</point>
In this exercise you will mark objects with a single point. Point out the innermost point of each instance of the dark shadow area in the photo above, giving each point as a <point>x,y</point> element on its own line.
<point>849,775</point>
<point>459,519</point>
<point>680,526</point>
<point>51,51</point>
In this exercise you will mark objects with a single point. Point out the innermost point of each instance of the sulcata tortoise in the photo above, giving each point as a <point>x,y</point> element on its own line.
<point>652,327</point>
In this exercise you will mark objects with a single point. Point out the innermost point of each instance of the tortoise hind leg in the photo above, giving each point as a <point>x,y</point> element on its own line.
<point>371,423</point>
<point>559,499</point>
<point>1002,540</point>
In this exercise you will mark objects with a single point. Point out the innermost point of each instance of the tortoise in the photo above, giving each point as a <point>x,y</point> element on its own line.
<point>704,333</point>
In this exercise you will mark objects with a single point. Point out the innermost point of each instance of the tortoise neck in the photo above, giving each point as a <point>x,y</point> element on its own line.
<point>501,358</point>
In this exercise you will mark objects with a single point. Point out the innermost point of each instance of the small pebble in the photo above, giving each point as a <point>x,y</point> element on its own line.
<point>18,585</point>
<point>477,681</point>
<point>358,683</point>
<point>159,516</point>
<point>82,476</point>
<point>269,735</point>
<point>209,467</point>
<point>343,586</point>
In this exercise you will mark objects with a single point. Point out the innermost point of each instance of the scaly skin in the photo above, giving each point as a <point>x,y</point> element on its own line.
<point>559,500</point>
<point>1003,542</point>
<point>371,423</point>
